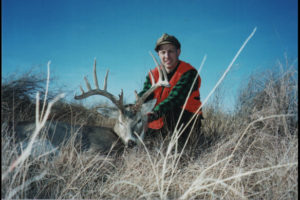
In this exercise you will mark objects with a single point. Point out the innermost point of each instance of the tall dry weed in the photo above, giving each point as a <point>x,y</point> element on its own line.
<point>18,103</point>
<point>252,154</point>
<point>18,96</point>
<point>271,93</point>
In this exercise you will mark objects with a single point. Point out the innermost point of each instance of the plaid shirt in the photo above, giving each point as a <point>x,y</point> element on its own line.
<point>178,94</point>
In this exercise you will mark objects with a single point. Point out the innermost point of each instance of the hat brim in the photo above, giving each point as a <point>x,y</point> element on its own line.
<point>162,43</point>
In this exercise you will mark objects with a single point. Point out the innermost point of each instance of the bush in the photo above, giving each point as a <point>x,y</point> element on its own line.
<point>18,94</point>
<point>251,153</point>
<point>273,92</point>
<point>18,102</point>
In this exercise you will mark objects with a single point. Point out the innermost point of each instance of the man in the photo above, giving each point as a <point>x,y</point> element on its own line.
<point>170,101</point>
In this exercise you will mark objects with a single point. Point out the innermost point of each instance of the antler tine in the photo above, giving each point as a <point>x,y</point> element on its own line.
<point>165,74</point>
<point>97,91</point>
<point>95,75</point>
<point>160,68</point>
<point>121,98</point>
<point>156,62</point>
<point>152,78</point>
<point>105,81</point>
<point>87,83</point>
<point>157,65</point>
<point>161,82</point>
<point>81,89</point>
<point>136,95</point>
<point>142,99</point>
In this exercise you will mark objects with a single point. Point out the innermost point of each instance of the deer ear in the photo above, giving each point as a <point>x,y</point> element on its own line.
<point>109,112</point>
<point>148,106</point>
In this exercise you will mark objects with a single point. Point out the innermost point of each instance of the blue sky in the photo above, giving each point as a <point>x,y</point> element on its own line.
<point>120,33</point>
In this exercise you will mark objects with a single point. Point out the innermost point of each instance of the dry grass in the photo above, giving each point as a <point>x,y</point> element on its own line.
<point>249,154</point>
<point>18,103</point>
<point>244,157</point>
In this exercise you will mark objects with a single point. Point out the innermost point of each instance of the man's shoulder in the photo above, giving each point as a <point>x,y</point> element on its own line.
<point>186,63</point>
<point>185,66</point>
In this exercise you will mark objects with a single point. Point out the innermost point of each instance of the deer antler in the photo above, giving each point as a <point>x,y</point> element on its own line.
<point>97,91</point>
<point>162,82</point>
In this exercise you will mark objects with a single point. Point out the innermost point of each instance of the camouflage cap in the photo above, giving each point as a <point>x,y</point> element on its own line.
<point>167,39</point>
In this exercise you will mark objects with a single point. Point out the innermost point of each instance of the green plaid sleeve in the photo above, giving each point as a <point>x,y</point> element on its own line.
<point>179,93</point>
<point>147,86</point>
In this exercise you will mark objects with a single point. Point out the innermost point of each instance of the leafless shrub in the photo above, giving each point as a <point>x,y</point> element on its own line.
<point>270,93</point>
<point>253,155</point>
<point>17,96</point>
<point>18,103</point>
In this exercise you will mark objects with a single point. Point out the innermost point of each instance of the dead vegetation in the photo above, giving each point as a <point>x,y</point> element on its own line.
<point>251,153</point>
<point>18,103</point>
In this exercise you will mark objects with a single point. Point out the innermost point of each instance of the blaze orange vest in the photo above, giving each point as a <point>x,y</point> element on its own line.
<point>160,94</point>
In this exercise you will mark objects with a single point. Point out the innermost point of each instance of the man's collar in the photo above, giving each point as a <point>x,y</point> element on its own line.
<point>172,73</point>
<point>174,70</point>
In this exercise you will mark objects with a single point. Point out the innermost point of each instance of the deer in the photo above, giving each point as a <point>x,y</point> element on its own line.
<point>130,120</point>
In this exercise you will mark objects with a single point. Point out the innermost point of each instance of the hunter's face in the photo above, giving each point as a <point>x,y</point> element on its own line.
<point>169,56</point>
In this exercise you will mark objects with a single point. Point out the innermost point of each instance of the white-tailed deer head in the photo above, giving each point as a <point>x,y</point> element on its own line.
<point>131,121</point>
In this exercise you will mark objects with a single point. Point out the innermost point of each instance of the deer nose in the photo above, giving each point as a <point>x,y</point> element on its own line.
<point>131,144</point>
